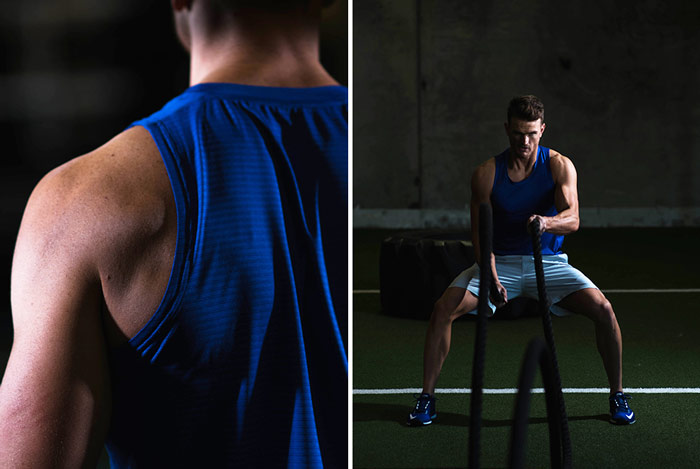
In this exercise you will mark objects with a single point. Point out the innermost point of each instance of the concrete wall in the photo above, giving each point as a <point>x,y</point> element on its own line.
<point>619,81</point>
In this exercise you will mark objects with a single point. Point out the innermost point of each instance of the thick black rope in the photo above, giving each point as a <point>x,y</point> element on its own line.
<point>544,305</point>
<point>537,354</point>
<point>485,236</point>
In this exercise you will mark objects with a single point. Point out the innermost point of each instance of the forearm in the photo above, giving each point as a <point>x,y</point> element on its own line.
<point>563,223</point>
<point>477,255</point>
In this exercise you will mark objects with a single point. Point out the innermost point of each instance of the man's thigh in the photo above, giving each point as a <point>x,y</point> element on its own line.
<point>561,280</point>
<point>587,302</point>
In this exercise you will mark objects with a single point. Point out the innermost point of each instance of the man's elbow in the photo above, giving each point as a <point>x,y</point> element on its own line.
<point>575,223</point>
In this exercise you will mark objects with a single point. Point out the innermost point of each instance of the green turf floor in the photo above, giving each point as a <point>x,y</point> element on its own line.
<point>661,349</point>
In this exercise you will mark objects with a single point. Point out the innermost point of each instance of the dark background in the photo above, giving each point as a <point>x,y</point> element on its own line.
<point>619,80</point>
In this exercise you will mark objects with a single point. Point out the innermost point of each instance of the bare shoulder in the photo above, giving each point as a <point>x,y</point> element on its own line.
<point>126,162</point>
<point>486,167</point>
<point>484,173</point>
<point>103,194</point>
<point>561,166</point>
<point>482,181</point>
<point>109,218</point>
<point>95,211</point>
<point>78,230</point>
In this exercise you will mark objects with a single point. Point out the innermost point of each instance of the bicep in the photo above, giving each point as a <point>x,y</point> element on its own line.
<point>55,393</point>
<point>566,194</point>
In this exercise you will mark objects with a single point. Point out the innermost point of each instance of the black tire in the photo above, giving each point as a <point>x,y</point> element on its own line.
<point>415,268</point>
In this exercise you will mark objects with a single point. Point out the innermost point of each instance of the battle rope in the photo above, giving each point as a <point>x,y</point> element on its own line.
<point>537,354</point>
<point>544,304</point>
<point>485,236</point>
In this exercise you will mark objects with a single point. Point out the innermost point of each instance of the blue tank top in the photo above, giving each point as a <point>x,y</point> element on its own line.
<point>514,202</point>
<point>244,363</point>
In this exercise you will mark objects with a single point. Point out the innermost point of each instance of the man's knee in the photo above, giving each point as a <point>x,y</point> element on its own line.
<point>603,312</point>
<point>592,304</point>
<point>442,311</point>
<point>448,308</point>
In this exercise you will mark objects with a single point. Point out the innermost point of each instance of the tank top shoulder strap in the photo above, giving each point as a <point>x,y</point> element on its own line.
<point>542,165</point>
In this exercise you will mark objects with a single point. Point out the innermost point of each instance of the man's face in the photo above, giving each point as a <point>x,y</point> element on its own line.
<point>524,136</point>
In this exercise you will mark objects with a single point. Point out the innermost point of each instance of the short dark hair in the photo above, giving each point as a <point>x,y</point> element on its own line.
<point>528,108</point>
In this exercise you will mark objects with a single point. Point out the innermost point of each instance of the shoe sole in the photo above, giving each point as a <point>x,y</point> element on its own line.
<point>618,422</point>
<point>418,423</point>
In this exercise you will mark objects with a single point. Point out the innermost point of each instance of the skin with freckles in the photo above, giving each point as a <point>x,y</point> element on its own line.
<point>97,242</point>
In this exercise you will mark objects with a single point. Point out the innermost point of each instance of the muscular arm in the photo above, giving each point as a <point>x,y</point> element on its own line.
<point>97,241</point>
<point>54,397</point>
<point>565,198</point>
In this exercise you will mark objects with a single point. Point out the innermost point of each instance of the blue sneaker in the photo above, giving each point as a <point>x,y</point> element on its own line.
<point>620,412</point>
<point>424,413</point>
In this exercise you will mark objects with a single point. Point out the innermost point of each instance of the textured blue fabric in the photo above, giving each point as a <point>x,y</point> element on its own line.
<point>514,202</point>
<point>244,364</point>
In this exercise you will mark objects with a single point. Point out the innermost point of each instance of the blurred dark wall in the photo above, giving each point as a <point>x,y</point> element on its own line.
<point>619,80</point>
<point>74,74</point>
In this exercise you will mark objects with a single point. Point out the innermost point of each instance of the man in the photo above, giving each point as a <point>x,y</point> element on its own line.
<point>180,293</point>
<point>526,182</point>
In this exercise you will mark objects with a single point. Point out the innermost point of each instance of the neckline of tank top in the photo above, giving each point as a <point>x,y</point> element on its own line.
<point>317,94</point>
<point>540,148</point>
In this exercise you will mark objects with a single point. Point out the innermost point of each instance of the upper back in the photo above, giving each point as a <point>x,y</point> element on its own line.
<point>253,317</point>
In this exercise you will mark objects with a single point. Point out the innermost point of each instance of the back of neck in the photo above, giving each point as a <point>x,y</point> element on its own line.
<point>252,49</point>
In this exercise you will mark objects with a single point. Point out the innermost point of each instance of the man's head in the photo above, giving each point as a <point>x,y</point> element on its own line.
<point>527,108</point>
<point>525,125</point>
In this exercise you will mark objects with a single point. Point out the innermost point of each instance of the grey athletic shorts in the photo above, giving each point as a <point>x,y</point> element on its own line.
<point>517,275</point>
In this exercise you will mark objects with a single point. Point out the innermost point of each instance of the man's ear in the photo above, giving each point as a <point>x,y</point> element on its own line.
<point>179,5</point>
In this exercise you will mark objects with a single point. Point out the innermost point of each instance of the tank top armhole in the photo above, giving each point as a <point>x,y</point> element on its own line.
<point>169,303</point>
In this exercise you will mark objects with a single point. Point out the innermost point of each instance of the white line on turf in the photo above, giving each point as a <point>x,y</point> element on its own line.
<point>611,290</point>
<point>534,390</point>
<point>653,290</point>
